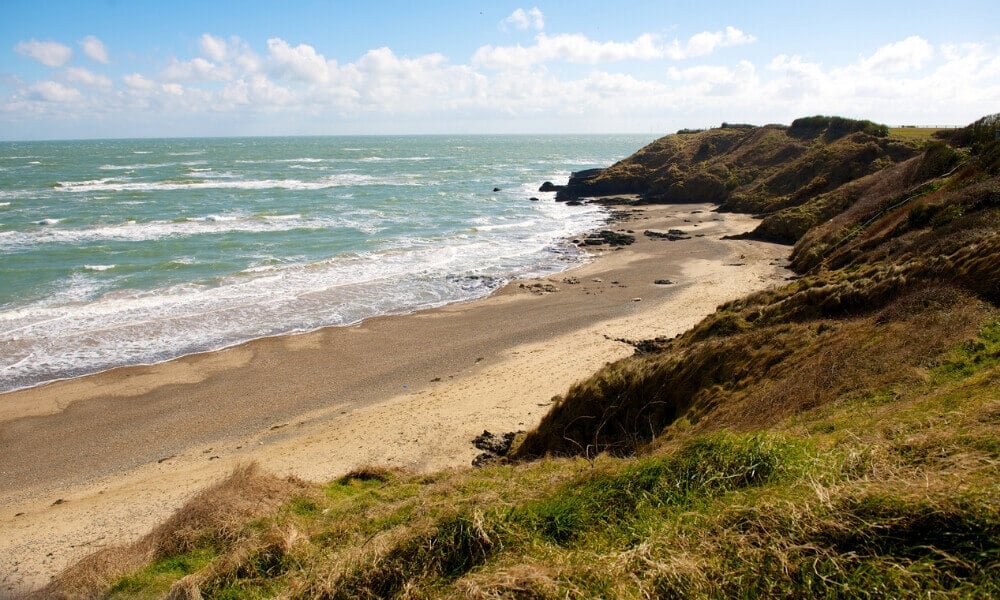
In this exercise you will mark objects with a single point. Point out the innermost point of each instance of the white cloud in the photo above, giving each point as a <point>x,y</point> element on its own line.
<point>86,77</point>
<point>714,80</point>
<point>522,19</point>
<point>300,63</point>
<point>50,54</point>
<point>213,47</point>
<point>196,69</point>
<point>50,91</point>
<point>706,42</point>
<point>550,85</point>
<point>94,49</point>
<point>907,55</point>
<point>577,48</point>
<point>138,82</point>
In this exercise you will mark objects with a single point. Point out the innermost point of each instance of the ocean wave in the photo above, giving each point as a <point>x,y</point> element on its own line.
<point>372,159</point>
<point>130,327</point>
<point>141,166</point>
<point>331,181</point>
<point>132,231</point>
<point>99,267</point>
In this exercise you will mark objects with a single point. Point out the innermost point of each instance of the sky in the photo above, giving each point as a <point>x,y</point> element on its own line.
<point>134,68</point>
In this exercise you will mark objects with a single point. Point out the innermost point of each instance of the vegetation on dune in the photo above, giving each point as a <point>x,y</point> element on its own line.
<point>834,437</point>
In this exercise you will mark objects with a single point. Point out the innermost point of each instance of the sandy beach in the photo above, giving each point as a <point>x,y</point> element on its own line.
<point>99,460</point>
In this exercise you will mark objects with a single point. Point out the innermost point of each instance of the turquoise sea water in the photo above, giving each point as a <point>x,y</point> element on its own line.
<point>137,251</point>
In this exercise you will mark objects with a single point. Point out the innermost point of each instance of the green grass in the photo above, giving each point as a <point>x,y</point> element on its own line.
<point>915,133</point>
<point>155,580</point>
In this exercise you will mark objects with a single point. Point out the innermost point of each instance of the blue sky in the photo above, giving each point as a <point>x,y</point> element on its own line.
<point>119,68</point>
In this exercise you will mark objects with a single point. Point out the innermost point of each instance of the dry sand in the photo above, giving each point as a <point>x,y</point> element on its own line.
<point>99,460</point>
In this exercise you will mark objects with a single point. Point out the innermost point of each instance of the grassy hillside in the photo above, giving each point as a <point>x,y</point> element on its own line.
<point>795,174</point>
<point>835,437</point>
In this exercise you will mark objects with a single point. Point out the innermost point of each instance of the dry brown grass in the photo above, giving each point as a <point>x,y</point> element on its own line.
<point>753,380</point>
<point>214,516</point>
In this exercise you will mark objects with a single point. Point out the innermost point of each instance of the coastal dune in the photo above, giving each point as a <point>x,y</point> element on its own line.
<point>99,460</point>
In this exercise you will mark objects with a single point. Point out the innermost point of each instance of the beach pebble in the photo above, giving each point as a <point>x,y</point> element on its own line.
<point>636,299</point>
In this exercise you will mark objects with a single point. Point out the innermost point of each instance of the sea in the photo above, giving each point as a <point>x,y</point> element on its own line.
<point>126,252</point>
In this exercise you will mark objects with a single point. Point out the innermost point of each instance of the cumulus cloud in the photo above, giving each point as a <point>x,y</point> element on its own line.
<point>86,77</point>
<point>577,48</point>
<point>50,91</point>
<point>138,82</point>
<point>94,49</point>
<point>706,42</point>
<point>906,55</point>
<point>213,47</point>
<point>524,19</point>
<point>50,54</point>
<point>301,63</point>
<point>560,82</point>
<point>196,69</point>
<point>174,89</point>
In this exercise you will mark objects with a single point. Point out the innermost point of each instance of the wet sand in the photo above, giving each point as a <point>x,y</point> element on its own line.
<point>99,460</point>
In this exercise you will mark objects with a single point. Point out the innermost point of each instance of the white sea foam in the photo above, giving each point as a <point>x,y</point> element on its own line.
<point>331,181</point>
<point>338,247</point>
<point>47,221</point>
<point>132,231</point>
<point>68,338</point>
<point>4,204</point>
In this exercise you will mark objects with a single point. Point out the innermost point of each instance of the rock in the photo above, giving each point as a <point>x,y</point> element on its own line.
<point>497,444</point>
<point>574,203</point>
<point>612,238</point>
<point>493,446</point>
<point>533,199</point>
<point>663,282</point>
<point>636,299</point>
<point>496,189</point>
<point>672,235</point>
<point>548,186</point>
<point>482,459</point>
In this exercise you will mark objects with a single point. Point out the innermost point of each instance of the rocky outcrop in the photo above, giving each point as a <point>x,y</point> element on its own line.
<point>790,172</point>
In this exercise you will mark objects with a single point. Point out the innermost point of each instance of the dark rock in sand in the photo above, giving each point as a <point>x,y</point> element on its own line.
<point>612,238</point>
<point>493,446</point>
<point>663,282</point>
<point>672,235</point>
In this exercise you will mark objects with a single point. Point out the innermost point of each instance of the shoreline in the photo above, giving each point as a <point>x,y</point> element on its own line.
<point>127,446</point>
